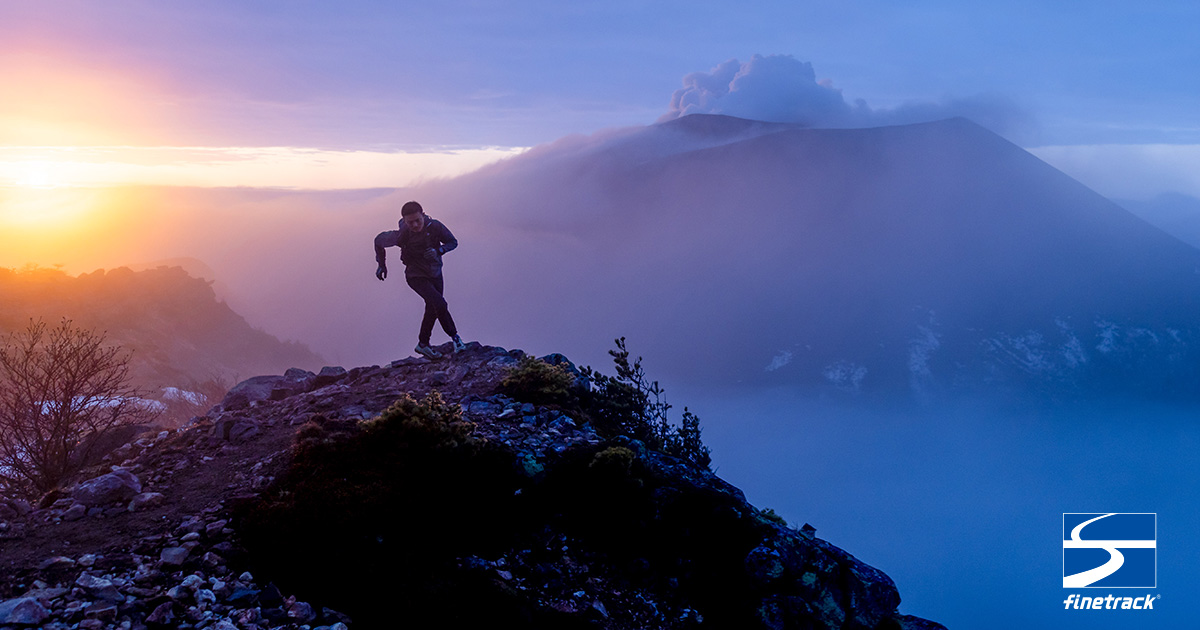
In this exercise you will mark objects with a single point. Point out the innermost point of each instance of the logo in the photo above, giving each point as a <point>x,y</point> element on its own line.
<point>1110,550</point>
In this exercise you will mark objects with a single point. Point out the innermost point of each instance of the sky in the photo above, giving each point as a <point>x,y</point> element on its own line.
<point>365,94</point>
<point>97,98</point>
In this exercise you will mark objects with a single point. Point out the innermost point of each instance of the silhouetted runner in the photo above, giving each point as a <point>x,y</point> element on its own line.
<point>422,241</point>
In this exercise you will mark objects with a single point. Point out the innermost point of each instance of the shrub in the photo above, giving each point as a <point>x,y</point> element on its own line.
<point>630,404</point>
<point>535,381</point>
<point>393,504</point>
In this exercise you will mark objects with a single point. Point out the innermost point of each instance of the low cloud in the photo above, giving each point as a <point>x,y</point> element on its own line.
<point>781,88</point>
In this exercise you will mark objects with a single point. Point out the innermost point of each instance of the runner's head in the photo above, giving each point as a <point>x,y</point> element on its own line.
<point>413,216</point>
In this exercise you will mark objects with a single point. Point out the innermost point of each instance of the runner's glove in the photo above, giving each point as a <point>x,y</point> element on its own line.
<point>381,272</point>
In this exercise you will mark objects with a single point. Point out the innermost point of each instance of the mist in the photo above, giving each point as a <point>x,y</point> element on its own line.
<point>917,259</point>
<point>961,502</point>
<point>921,340</point>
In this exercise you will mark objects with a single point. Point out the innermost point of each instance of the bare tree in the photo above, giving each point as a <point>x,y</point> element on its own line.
<point>61,392</point>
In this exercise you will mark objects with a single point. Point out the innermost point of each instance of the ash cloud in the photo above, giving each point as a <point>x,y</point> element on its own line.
<point>781,88</point>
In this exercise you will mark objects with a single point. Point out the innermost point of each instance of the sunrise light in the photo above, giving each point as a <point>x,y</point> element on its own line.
<point>262,167</point>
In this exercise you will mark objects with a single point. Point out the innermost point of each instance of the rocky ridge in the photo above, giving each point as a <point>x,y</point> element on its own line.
<point>151,540</point>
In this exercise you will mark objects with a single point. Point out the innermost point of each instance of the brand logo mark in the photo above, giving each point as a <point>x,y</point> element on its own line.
<point>1110,550</point>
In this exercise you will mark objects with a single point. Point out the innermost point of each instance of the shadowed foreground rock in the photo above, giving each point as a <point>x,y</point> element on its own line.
<point>480,511</point>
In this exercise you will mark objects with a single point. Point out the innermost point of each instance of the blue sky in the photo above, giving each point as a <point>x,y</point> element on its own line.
<point>381,76</point>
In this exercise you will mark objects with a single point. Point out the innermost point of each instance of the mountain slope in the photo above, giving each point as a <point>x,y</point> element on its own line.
<point>494,511</point>
<point>178,332</point>
<point>922,258</point>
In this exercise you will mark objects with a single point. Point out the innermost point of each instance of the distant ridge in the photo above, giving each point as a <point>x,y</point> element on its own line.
<point>172,322</point>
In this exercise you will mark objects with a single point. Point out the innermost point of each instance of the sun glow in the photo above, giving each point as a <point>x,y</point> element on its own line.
<point>264,167</point>
<point>37,175</point>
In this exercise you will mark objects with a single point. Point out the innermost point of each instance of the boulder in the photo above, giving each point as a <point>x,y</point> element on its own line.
<point>235,429</point>
<point>99,588</point>
<point>765,565</point>
<point>328,375</point>
<point>173,556</point>
<point>145,500</point>
<point>23,611</point>
<point>117,486</point>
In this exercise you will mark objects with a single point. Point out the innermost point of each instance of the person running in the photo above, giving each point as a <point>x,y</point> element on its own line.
<point>422,241</point>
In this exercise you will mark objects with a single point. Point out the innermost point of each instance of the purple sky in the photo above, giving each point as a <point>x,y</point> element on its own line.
<point>1105,90</point>
<point>385,77</point>
<point>368,74</point>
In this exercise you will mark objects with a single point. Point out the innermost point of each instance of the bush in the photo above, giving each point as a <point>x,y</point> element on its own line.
<point>627,404</point>
<point>393,503</point>
<point>62,392</point>
<point>632,405</point>
<point>540,383</point>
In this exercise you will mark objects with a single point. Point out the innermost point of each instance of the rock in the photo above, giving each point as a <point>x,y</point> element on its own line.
<point>163,615</point>
<point>243,598</point>
<point>301,612</point>
<point>99,588</point>
<point>214,528</point>
<point>45,595</point>
<point>275,616</point>
<point>483,408</point>
<point>117,486</point>
<point>23,611</point>
<point>235,429</point>
<point>874,593</point>
<point>173,556</point>
<point>231,402</point>
<point>299,376</point>
<point>192,524</point>
<point>563,423</point>
<point>75,512</point>
<point>145,500</point>
<point>56,563</point>
<point>329,375</point>
<point>250,390</point>
<point>765,565</point>
<point>205,596</point>
<point>192,582</point>
<point>102,612</point>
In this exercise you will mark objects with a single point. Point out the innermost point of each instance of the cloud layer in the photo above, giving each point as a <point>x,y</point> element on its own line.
<point>781,88</point>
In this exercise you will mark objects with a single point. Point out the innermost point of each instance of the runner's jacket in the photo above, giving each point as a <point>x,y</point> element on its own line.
<point>421,252</point>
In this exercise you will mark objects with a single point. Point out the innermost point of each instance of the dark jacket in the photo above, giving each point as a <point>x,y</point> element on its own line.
<point>421,252</point>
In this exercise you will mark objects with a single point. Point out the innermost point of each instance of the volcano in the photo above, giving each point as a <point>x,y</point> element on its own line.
<point>924,258</point>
